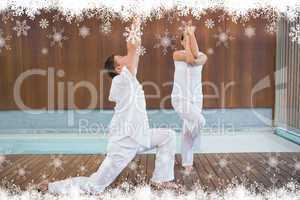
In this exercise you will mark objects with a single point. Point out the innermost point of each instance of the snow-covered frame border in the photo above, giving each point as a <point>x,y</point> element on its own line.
<point>151,9</point>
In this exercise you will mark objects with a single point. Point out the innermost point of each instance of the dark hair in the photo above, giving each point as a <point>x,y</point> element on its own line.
<point>110,66</point>
<point>182,37</point>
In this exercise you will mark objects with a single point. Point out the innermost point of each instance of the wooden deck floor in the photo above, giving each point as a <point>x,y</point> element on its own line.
<point>211,170</point>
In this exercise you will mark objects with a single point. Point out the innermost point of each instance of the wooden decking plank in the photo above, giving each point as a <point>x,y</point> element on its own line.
<point>221,175</point>
<point>260,172</point>
<point>67,169</point>
<point>178,170</point>
<point>204,164</point>
<point>203,174</point>
<point>143,167</point>
<point>226,169</point>
<point>235,170</point>
<point>35,168</point>
<point>150,166</point>
<point>263,169</point>
<point>26,166</point>
<point>282,175</point>
<point>213,176</point>
<point>133,171</point>
<point>8,170</point>
<point>284,171</point>
<point>252,173</point>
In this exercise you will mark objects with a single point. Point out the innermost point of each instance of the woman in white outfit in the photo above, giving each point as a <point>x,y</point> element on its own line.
<point>129,132</point>
<point>187,96</point>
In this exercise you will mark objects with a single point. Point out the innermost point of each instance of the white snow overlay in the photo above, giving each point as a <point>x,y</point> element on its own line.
<point>151,10</point>
<point>126,9</point>
<point>128,192</point>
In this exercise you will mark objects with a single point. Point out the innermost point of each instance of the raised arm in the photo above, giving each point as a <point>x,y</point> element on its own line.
<point>133,43</point>
<point>186,55</point>
<point>193,41</point>
<point>200,57</point>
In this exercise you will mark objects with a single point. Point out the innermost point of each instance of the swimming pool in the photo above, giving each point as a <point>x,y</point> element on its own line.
<point>227,130</point>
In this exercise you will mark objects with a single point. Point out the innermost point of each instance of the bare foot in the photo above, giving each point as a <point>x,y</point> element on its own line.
<point>43,186</point>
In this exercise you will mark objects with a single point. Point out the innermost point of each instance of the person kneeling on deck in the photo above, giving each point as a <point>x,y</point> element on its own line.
<point>129,132</point>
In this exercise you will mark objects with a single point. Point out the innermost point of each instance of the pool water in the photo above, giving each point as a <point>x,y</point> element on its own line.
<point>72,132</point>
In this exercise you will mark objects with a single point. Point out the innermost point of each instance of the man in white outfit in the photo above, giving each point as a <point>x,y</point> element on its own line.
<point>187,96</point>
<point>129,130</point>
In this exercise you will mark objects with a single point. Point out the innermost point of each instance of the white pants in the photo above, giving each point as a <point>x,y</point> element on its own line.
<point>193,120</point>
<point>119,154</point>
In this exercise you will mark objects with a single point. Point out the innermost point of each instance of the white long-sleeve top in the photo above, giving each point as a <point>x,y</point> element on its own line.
<point>130,116</point>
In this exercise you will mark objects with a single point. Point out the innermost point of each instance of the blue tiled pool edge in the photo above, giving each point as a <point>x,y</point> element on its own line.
<point>290,135</point>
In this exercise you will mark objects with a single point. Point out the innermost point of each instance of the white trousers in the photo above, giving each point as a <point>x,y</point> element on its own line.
<point>119,154</point>
<point>193,120</point>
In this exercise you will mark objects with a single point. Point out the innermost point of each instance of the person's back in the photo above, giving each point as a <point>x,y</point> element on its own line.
<point>187,82</point>
<point>187,96</point>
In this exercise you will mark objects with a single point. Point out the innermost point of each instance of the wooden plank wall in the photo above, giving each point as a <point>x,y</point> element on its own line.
<point>287,107</point>
<point>233,70</point>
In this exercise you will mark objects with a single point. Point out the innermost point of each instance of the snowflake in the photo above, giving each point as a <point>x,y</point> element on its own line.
<point>44,23</point>
<point>21,172</point>
<point>44,51</point>
<point>223,37</point>
<point>272,162</point>
<point>172,16</point>
<point>249,31</point>
<point>21,28</point>
<point>183,25</point>
<point>105,27</point>
<point>271,28</point>
<point>248,168</point>
<point>56,162</point>
<point>57,37</point>
<point>209,23</point>
<point>133,165</point>
<point>56,18</point>
<point>84,32</point>
<point>222,17</point>
<point>141,50</point>
<point>295,165</point>
<point>165,41</point>
<point>82,168</point>
<point>274,179</point>
<point>3,161</point>
<point>209,176</point>
<point>133,34</point>
<point>44,175</point>
<point>222,162</point>
<point>7,17</point>
<point>3,41</point>
<point>295,33</point>
<point>210,51</point>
